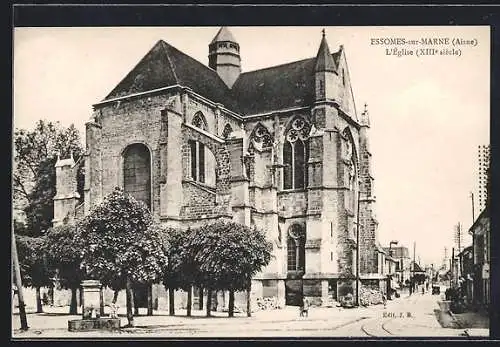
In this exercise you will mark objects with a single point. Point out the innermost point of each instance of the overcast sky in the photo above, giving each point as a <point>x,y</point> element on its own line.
<point>428,114</point>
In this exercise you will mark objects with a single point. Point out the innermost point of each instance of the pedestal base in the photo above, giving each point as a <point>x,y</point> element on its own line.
<point>94,324</point>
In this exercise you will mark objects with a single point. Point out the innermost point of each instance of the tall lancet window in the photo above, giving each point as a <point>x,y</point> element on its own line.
<point>296,248</point>
<point>198,150</point>
<point>137,172</point>
<point>296,155</point>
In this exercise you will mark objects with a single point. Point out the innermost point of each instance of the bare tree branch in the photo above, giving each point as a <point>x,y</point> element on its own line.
<point>21,189</point>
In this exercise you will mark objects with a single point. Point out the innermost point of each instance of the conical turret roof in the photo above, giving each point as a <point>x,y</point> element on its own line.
<point>223,35</point>
<point>324,59</point>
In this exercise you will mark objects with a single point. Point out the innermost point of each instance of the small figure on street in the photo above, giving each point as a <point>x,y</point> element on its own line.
<point>114,310</point>
<point>384,300</point>
<point>304,308</point>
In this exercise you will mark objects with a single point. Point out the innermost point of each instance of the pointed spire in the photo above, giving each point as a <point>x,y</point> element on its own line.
<point>223,35</point>
<point>365,117</point>
<point>324,59</point>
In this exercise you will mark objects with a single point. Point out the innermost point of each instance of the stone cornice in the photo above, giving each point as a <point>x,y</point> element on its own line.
<point>273,113</point>
<point>136,95</point>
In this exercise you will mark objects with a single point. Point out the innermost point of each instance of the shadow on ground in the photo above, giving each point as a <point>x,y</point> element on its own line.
<point>445,320</point>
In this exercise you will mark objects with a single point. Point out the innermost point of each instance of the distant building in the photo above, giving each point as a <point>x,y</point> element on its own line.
<point>390,271</point>
<point>481,231</point>
<point>466,276</point>
<point>402,255</point>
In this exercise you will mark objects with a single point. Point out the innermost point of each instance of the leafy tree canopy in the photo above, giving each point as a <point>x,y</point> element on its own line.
<point>120,240</point>
<point>63,251</point>
<point>32,261</point>
<point>227,254</point>
<point>35,153</point>
<point>178,274</point>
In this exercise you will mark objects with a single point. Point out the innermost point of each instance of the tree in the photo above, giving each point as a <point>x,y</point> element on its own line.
<point>33,265</point>
<point>122,245</point>
<point>35,153</point>
<point>40,208</point>
<point>177,274</point>
<point>226,255</point>
<point>63,252</point>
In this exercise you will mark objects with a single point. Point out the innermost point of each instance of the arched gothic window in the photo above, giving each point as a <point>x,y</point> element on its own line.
<point>202,160</point>
<point>203,163</point>
<point>296,240</point>
<point>199,121</point>
<point>261,137</point>
<point>197,160</point>
<point>296,155</point>
<point>137,172</point>
<point>228,130</point>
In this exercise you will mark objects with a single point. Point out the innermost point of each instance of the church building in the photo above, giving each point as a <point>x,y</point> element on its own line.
<point>280,148</point>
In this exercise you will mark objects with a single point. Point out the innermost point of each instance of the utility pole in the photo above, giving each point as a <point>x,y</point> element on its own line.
<point>450,273</point>
<point>473,242</point>
<point>459,237</point>
<point>445,256</point>
<point>19,285</point>
<point>413,272</point>
<point>452,264</point>
<point>472,200</point>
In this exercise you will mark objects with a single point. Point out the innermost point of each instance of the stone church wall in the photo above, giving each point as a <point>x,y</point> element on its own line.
<point>124,123</point>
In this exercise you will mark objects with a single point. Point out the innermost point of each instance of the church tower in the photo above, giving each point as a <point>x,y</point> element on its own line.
<point>224,56</point>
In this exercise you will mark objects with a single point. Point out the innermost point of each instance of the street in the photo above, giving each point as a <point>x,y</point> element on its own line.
<point>404,317</point>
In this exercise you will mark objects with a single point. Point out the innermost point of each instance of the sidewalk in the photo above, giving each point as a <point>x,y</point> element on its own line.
<point>282,322</point>
<point>475,324</point>
<point>473,320</point>
<point>428,319</point>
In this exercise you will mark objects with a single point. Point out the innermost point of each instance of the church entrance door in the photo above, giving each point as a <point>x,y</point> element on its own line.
<point>293,292</point>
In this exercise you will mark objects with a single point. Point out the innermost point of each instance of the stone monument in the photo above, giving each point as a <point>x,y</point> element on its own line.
<point>91,303</point>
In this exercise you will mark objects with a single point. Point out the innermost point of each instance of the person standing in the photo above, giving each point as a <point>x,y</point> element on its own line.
<point>304,309</point>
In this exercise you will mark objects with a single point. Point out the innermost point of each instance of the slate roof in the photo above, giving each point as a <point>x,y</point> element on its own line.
<point>274,88</point>
<point>277,87</point>
<point>163,66</point>
<point>415,267</point>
